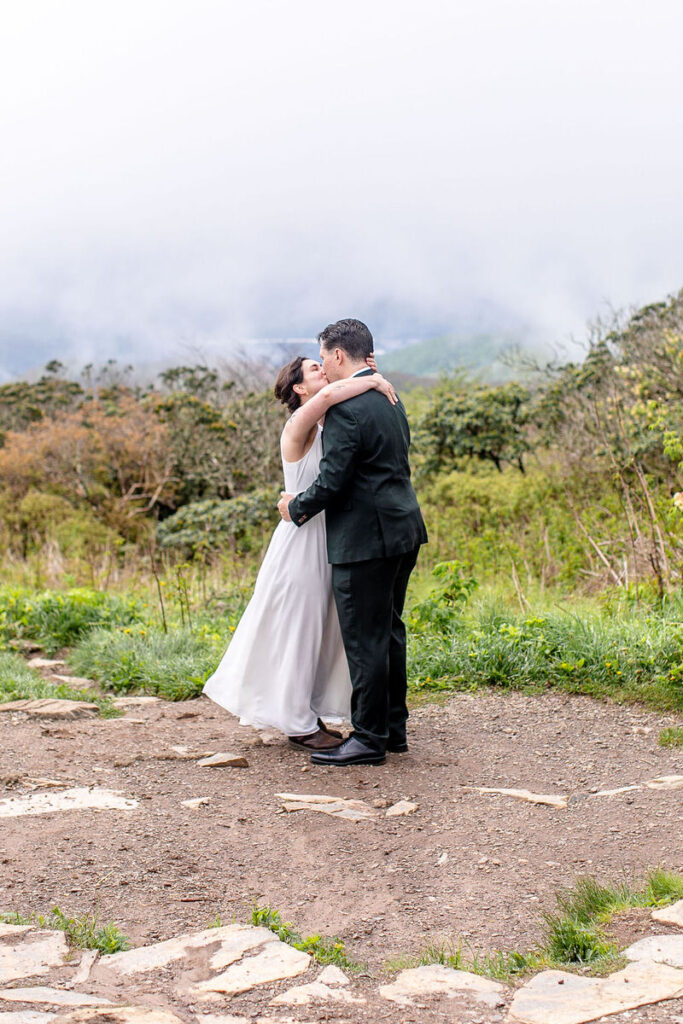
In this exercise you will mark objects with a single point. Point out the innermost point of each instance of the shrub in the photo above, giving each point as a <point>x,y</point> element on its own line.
<point>211,525</point>
<point>56,620</point>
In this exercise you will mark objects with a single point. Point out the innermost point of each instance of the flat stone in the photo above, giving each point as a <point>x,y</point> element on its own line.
<point>231,942</point>
<point>315,991</point>
<point>332,975</point>
<point>659,949</point>
<point>84,968</point>
<point>275,962</point>
<point>25,951</point>
<point>338,807</point>
<point>557,997</point>
<point>26,1017</point>
<point>195,802</point>
<point>53,996</point>
<point>670,915</point>
<point>77,682</point>
<point>402,807</point>
<point>438,980</point>
<point>134,702</point>
<point>551,800</point>
<point>119,1015</point>
<point>666,782</point>
<point>46,663</point>
<point>224,760</point>
<point>54,708</point>
<point>613,792</point>
<point>75,799</point>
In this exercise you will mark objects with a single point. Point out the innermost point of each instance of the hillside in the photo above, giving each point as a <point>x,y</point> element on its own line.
<point>479,354</point>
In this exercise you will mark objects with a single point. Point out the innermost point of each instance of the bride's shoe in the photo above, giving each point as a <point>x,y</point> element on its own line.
<point>321,739</point>
<point>330,732</point>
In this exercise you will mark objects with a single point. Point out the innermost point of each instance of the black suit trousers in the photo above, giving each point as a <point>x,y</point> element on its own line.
<point>369,596</point>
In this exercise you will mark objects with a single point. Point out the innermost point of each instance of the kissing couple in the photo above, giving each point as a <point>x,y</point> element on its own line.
<point>322,637</point>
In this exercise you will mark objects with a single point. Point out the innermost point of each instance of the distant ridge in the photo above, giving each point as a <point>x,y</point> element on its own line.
<point>480,355</point>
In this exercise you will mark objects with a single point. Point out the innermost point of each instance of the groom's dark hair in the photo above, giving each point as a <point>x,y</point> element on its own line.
<point>351,336</point>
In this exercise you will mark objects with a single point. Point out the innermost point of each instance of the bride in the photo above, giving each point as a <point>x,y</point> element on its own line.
<point>285,667</point>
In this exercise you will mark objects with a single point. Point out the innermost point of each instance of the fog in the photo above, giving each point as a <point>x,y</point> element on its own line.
<point>179,175</point>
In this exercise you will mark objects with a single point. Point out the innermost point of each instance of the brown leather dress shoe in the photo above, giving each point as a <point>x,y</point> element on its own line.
<point>318,740</point>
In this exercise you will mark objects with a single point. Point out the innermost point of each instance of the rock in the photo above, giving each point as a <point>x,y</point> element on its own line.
<point>198,801</point>
<point>559,801</point>
<point>25,951</point>
<point>613,792</point>
<point>666,782</point>
<point>48,707</point>
<point>557,997</point>
<point>275,961</point>
<point>332,975</point>
<point>46,663</point>
<point>658,949</point>
<point>74,799</point>
<point>26,1017</point>
<point>120,1015</point>
<point>402,807</point>
<point>437,980</point>
<point>232,942</point>
<point>224,760</point>
<point>338,807</point>
<point>670,915</point>
<point>301,995</point>
<point>77,682</point>
<point>85,966</point>
<point>134,702</point>
<point>53,996</point>
<point>380,802</point>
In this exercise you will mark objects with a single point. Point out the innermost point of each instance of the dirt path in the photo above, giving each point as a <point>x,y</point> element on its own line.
<point>467,865</point>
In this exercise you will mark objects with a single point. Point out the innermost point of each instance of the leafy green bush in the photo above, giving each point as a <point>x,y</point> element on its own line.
<point>628,658</point>
<point>211,525</point>
<point>439,610</point>
<point>55,620</point>
<point>172,665</point>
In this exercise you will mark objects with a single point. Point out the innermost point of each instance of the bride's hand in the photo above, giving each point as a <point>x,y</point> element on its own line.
<point>372,362</point>
<point>385,388</point>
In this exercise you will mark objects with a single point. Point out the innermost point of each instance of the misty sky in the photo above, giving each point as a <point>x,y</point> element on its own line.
<point>191,174</point>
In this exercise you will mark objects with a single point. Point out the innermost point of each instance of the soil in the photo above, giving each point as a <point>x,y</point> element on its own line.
<point>476,870</point>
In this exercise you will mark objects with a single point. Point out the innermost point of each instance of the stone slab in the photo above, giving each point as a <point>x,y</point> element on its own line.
<point>229,944</point>
<point>438,980</point>
<point>558,800</point>
<point>557,997</point>
<point>315,991</point>
<point>26,1017</point>
<point>224,760</point>
<point>46,663</point>
<point>77,798</point>
<point>666,782</point>
<point>275,962</point>
<point>659,949</point>
<point>670,915</point>
<point>48,707</point>
<point>52,996</point>
<point>402,807</point>
<point>134,702</point>
<point>26,952</point>
<point>119,1015</point>
<point>338,807</point>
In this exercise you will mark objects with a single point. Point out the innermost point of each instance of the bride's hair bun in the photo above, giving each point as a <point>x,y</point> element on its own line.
<point>289,375</point>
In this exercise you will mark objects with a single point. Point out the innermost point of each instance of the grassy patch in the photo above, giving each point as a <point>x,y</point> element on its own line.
<point>635,657</point>
<point>575,935</point>
<point>82,933</point>
<point>323,951</point>
<point>20,682</point>
<point>54,620</point>
<point>672,737</point>
<point>172,665</point>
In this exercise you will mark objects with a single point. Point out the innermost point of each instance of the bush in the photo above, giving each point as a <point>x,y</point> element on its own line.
<point>213,524</point>
<point>56,620</point>
<point>172,665</point>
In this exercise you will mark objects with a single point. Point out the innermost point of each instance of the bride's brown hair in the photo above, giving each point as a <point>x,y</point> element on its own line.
<point>289,375</point>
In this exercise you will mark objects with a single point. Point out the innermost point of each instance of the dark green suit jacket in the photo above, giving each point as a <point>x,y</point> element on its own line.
<point>364,482</point>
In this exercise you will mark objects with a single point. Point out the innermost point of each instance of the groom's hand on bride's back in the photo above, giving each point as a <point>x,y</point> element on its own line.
<point>283,506</point>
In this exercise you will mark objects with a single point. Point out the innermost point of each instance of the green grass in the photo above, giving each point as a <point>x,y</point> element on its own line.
<point>575,935</point>
<point>672,737</point>
<point>20,682</point>
<point>172,665</point>
<point>81,933</point>
<point>55,620</point>
<point>628,656</point>
<point>323,950</point>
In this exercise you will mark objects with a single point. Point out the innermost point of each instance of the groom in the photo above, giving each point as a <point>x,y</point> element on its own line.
<point>374,533</point>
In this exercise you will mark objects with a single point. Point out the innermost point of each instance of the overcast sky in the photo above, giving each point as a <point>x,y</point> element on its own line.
<point>202,172</point>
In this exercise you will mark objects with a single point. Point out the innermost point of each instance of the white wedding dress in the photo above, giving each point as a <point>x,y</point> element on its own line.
<point>285,665</point>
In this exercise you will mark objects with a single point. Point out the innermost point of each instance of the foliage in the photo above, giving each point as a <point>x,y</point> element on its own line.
<point>438,611</point>
<point>474,422</point>
<point>323,951</point>
<point>672,737</point>
<point>82,933</point>
<point>20,682</point>
<point>23,403</point>
<point>210,525</point>
<point>636,657</point>
<point>172,665</point>
<point>56,620</point>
